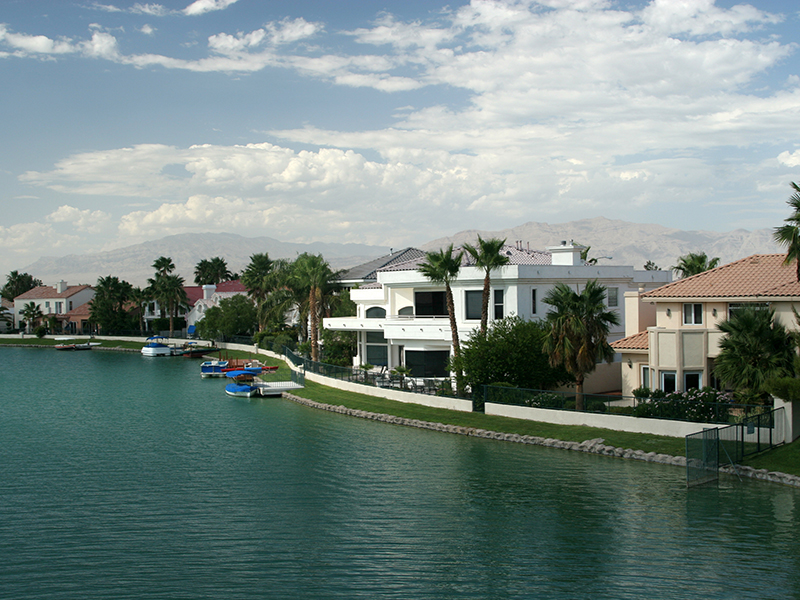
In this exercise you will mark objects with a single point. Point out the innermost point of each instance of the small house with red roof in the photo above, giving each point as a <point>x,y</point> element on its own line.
<point>672,336</point>
<point>203,297</point>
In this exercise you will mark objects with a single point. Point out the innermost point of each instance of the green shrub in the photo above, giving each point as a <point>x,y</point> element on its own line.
<point>40,331</point>
<point>705,405</point>
<point>785,388</point>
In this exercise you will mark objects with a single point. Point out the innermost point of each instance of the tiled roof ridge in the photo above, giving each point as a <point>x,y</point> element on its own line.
<point>49,291</point>
<point>637,341</point>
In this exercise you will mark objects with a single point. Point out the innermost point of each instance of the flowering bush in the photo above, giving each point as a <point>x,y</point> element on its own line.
<point>705,405</point>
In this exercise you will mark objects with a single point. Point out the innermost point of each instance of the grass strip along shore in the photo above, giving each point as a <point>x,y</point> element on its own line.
<point>784,459</point>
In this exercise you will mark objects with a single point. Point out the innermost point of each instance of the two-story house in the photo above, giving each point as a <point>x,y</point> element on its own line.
<point>402,317</point>
<point>54,301</point>
<point>672,335</point>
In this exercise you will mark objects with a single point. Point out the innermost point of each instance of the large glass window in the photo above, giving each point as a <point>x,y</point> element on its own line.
<point>668,381</point>
<point>645,376</point>
<point>377,350</point>
<point>498,304</point>
<point>430,304</point>
<point>427,363</point>
<point>473,300</point>
<point>692,380</point>
<point>692,314</point>
<point>376,312</point>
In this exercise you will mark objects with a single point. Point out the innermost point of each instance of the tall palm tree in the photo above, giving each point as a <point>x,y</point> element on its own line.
<point>107,308</point>
<point>694,263</point>
<point>32,315</point>
<point>579,326</point>
<point>163,265</point>
<point>789,235</point>
<point>442,268</point>
<point>260,280</point>
<point>211,271</point>
<point>312,272</point>
<point>754,350</point>
<point>487,256</point>
<point>173,295</point>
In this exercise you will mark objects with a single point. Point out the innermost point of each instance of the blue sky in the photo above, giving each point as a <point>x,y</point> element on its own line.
<point>389,123</point>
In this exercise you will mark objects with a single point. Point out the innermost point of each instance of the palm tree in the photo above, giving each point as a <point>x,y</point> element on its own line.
<point>755,350</point>
<point>313,273</point>
<point>107,308</point>
<point>260,280</point>
<point>140,297</point>
<point>487,256</point>
<point>163,265</point>
<point>32,314</point>
<point>171,293</point>
<point>694,263</point>
<point>211,271</point>
<point>579,326</point>
<point>789,235</point>
<point>442,268</point>
<point>18,283</point>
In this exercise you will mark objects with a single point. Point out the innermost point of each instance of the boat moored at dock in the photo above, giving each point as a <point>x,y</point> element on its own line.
<point>157,346</point>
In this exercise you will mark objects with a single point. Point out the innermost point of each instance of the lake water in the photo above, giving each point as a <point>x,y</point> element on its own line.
<point>128,477</point>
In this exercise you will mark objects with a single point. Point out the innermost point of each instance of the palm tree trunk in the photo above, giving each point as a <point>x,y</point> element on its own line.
<point>451,311</point>
<point>314,333</point>
<point>579,394</point>
<point>485,302</point>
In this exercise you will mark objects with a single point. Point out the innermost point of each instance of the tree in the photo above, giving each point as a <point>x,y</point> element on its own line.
<point>141,297</point>
<point>234,316</point>
<point>260,281</point>
<point>651,266</point>
<point>789,235</point>
<point>511,351</point>
<point>32,315</point>
<point>579,326</point>
<point>171,293</point>
<point>18,283</point>
<point>755,350</point>
<point>163,265</point>
<point>211,271</point>
<point>487,256</point>
<point>694,263</point>
<point>442,268</point>
<point>313,273</point>
<point>107,308</point>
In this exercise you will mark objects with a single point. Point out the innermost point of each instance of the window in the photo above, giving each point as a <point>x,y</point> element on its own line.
<point>533,301</point>
<point>375,337</point>
<point>645,376</point>
<point>376,312</point>
<point>430,304</point>
<point>692,380</point>
<point>70,304</point>
<point>668,381</point>
<point>47,304</point>
<point>406,311</point>
<point>377,352</point>
<point>692,314</point>
<point>473,303</point>
<point>498,304</point>
<point>427,363</point>
<point>613,297</point>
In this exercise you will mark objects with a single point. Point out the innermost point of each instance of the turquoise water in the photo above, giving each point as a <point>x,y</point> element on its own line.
<point>127,477</point>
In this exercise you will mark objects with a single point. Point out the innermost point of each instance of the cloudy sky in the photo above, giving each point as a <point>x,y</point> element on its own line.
<point>389,123</point>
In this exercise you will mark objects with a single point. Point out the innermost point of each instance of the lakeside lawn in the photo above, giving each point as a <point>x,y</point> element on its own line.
<point>785,459</point>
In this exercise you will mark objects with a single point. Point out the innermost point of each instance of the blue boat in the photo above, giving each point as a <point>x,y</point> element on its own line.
<point>213,368</point>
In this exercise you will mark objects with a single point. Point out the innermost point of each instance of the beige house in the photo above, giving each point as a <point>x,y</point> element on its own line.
<point>54,301</point>
<point>672,337</point>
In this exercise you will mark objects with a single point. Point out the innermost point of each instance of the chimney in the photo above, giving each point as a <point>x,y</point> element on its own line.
<point>61,286</point>
<point>208,291</point>
<point>566,256</point>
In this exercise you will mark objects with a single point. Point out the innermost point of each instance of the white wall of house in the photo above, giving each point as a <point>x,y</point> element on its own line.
<point>55,304</point>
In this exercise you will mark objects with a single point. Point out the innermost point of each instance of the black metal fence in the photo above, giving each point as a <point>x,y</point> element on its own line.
<point>708,449</point>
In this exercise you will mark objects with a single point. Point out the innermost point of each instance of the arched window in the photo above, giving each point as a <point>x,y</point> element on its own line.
<point>376,312</point>
<point>406,311</point>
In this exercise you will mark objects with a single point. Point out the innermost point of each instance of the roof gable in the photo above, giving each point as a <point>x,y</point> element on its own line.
<point>46,292</point>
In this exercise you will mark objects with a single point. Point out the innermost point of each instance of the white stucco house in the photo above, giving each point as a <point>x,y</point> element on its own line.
<point>402,317</point>
<point>54,301</point>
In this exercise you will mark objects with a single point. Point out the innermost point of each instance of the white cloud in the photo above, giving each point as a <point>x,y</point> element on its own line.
<point>147,29</point>
<point>34,44</point>
<point>200,7</point>
<point>90,221</point>
<point>156,10</point>
<point>790,159</point>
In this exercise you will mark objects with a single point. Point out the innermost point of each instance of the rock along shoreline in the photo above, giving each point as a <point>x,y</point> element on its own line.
<point>593,446</point>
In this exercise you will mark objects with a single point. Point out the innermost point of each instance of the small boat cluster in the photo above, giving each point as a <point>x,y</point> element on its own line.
<point>157,346</point>
<point>245,378</point>
<point>70,345</point>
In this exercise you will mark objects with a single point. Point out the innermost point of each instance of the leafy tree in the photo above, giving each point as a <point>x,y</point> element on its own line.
<point>651,266</point>
<point>339,347</point>
<point>442,267</point>
<point>5,315</point>
<point>140,297</point>
<point>511,351</point>
<point>211,271</point>
<point>487,256</point>
<point>261,280</point>
<point>755,350</point>
<point>18,283</point>
<point>32,314</point>
<point>789,235</point>
<point>168,290</point>
<point>579,326</point>
<point>694,263</point>
<point>107,308</point>
<point>313,273</point>
<point>234,316</point>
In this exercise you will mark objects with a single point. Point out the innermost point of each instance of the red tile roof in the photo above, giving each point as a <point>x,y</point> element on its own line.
<point>195,292</point>
<point>757,276</point>
<point>46,292</point>
<point>637,341</point>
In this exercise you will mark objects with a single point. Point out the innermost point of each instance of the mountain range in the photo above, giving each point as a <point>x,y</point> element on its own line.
<point>612,242</point>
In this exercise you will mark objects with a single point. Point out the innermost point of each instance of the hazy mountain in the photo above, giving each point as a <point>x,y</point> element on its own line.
<point>134,263</point>
<point>627,244</point>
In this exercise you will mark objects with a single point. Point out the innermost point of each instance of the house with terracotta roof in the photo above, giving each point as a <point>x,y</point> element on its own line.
<point>203,297</point>
<point>402,317</point>
<point>54,301</point>
<point>672,334</point>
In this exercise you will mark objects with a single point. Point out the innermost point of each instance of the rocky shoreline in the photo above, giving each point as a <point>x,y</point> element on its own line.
<point>593,446</point>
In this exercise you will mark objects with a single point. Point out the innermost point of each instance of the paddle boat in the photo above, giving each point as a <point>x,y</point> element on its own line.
<point>66,345</point>
<point>156,346</point>
<point>192,350</point>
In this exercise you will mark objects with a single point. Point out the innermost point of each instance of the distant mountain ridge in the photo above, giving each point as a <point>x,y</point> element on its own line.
<point>626,243</point>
